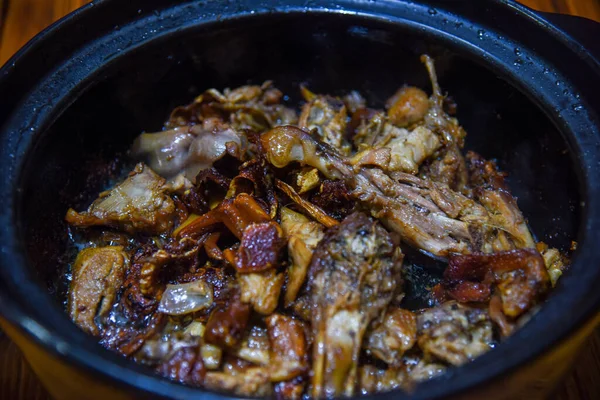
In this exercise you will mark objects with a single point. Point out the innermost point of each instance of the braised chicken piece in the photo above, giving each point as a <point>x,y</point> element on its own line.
<point>303,236</point>
<point>491,191</point>
<point>140,203</point>
<point>513,281</point>
<point>227,324</point>
<point>184,366</point>
<point>292,389</point>
<point>454,333</point>
<point>188,150</point>
<point>448,165</point>
<point>241,379</point>
<point>407,106</point>
<point>393,336</point>
<point>334,198</point>
<point>247,107</point>
<point>556,263</point>
<point>285,145</point>
<point>309,208</point>
<point>255,347</point>
<point>407,148</point>
<point>258,249</point>
<point>326,116</point>
<point>374,380</point>
<point>261,290</point>
<point>409,372</point>
<point>353,276</point>
<point>289,350</point>
<point>427,215</point>
<point>98,273</point>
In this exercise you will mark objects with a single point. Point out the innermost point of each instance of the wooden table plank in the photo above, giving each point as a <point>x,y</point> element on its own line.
<point>583,8</point>
<point>20,20</point>
<point>23,19</point>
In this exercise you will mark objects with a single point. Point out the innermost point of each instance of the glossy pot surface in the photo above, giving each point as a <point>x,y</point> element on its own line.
<point>527,92</point>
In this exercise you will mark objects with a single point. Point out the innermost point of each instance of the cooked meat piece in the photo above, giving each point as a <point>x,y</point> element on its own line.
<point>209,184</point>
<point>408,149</point>
<point>334,197</point>
<point>184,366</point>
<point>423,370</point>
<point>354,101</point>
<point>491,191</point>
<point>505,324</point>
<point>484,174</point>
<point>211,356</point>
<point>98,274</point>
<point>303,236</point>
<point>260,112</point>
<point>326,116</point>
<point>410,371</point>
<point>301,307</point>
<point>309,208</point>
<point>289,357</point>
<point>289,390</point>
<point>436,118</point>
<point>448,166</point>
<point>222,281</point>
<point>189,150</point>
<point>373,380</point>
<point>149,270</point>
<point>260,248</point>
<point>372,157</point>
<point>255,178</point>
<point>307,179</point>
<point>261,290</point>
<point>138,204</point>
<point>227,323</point>
<point>249,382</point>
<point>127,340</point>
<point>426,215</point>
<point>519,277</point>
<point>407,106</point>
<point>255,347</point>
<point>152,269</point>
<point>522,280</point>
<point>393,336</point>
<point>160,349</point>
<point>165,152</point>
<point>556,263</point>
<point>284,145</point>
<point>353,276</point>
<point>247,107</point>
<point>454,333</point>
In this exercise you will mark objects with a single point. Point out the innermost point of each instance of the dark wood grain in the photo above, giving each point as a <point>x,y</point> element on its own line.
<point>20,20</point>
<point>583,8</point>
<point>23,19</point>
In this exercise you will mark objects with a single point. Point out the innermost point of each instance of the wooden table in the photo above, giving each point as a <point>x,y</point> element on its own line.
<point>22,19</point>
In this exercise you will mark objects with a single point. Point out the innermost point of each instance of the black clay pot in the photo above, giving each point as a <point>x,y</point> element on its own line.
<point>528,90</point>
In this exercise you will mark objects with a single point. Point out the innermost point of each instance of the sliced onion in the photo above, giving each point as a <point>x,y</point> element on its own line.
<point>186,298</point>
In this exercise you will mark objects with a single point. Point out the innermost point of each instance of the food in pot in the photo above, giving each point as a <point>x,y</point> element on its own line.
<point>265,252</point>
